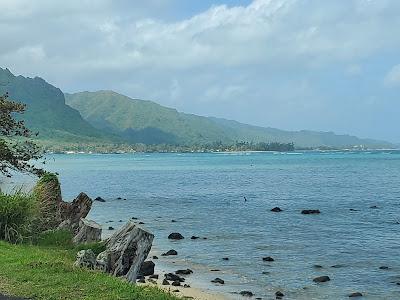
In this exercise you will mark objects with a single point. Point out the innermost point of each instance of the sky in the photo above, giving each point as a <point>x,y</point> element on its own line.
<point>288,64</point>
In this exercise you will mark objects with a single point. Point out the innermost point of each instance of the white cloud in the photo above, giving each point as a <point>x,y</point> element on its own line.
<point>392,78</point>
<point>255,57</point>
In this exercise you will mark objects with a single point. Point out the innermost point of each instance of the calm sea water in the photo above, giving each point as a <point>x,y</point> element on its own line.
<point>204,194</point>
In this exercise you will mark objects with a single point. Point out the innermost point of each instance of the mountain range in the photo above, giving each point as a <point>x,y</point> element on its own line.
<point>109,117</point>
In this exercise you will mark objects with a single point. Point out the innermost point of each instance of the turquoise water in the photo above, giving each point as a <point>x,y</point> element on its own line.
<point>204,194</point>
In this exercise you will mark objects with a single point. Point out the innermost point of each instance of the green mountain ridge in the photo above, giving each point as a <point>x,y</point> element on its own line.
<point>109,118</point>
<point>143,121</point>
<point>46,110</point>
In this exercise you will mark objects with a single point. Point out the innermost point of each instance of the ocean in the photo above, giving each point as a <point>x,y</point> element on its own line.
<point>356,233</point>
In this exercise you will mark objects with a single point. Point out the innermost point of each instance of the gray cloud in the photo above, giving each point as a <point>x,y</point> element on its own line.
<point>284,63</point>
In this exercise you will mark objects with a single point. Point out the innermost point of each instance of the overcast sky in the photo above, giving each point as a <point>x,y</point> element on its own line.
<point>291,64</point>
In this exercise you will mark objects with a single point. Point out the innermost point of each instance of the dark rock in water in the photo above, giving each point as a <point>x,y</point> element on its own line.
<point>154,276</point>
<point>246,293</point>
<point>147,268</point>
<point>215,270</point>
<point>175,236</point>
<point>141,223</point>
<point>268,258</point>
<point>225,258</point>
<point>119,198</point>
<point>310,211</point>
<point>141,280</point>
<point>266,273</point>
<point>279,294</point>
<point>176,283</point>
<point>155,257</point>
<point>356,294</point>
<point>218,280</point>
<point>173,277</point>
<point>110,228</point>
<point>384,268</point>
<point>133,218</point>
<point>173,221</point>
<point>321,279</point>
<point>184,272</point>
<point>318,266</point>
<point>194,237</point>
<point>120,221</point>
<point>165,282</point>
<point>374,207</point>
<point>186,286</point>
<point>337,266</point>
<point>352,209</point>
<point>204,238</point>
<point>170,252</point>
<point>276,209</point>
<point>99,199</point>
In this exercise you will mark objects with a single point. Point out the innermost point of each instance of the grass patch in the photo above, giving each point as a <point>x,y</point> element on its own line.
<point>47,273</point>
<point>55,238</point>
<point>96,247</point>
<point>17,212</point>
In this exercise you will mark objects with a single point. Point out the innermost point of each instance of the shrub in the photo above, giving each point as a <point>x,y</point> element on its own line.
<point>17,212</point>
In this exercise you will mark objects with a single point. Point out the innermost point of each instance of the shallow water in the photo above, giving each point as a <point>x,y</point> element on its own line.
<point>204,194</point>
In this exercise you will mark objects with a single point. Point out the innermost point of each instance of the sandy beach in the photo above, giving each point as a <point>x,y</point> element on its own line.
<point>187,292</point>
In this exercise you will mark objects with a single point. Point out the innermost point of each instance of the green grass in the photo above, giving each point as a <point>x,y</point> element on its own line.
<point>39,272</point>
<point>55,238</point>
<point>17,212</point>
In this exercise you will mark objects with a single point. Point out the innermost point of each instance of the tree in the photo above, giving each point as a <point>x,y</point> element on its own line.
<point>16,149</point>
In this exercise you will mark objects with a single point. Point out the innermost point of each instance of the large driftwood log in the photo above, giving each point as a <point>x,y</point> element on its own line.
<point>89,232</point>
<point>127,249</point>
<point>72,212</point>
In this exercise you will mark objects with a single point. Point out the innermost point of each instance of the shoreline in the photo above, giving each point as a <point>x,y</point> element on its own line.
<point>191,292</point>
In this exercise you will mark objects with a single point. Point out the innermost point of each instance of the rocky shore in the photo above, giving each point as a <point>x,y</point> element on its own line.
<point>128,251</point>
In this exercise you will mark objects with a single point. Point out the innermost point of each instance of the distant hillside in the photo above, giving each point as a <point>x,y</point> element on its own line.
<point>46,109</point>
<point>150,123</point>
<point>144,121</point>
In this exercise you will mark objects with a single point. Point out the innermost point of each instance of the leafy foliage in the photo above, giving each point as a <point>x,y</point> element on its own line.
<point>15,154</point>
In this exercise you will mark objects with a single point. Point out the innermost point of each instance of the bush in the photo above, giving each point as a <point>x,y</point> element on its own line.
<point>17,212</point>
<point>57,238</point>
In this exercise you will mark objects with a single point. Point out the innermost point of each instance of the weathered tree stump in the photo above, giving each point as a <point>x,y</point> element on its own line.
<point>48,195</point>
<point>88,232</point>
<point>127,249</point>
<point>72,212</point>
